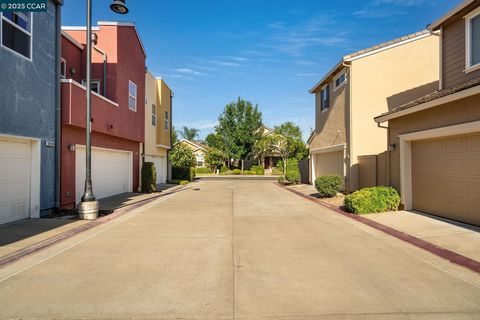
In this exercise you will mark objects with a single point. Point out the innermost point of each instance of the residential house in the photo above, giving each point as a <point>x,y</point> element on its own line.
<point>118,110</point>
<point>158,124</point>
<point>269,161</point>
<point>360,86</point>
<point>199,150</point>
<point>29,82</point>
<point>435,140</point>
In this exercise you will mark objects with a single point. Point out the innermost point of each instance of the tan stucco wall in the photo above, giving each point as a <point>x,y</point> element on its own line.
<point>461,111</point>
<point>383,81</point>
<point>330,125</point>
<point>156,135</point>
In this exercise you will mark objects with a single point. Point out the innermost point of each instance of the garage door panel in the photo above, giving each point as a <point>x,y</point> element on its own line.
<point>446,177</point>
<point>111,172</point>
<point>15,179</point>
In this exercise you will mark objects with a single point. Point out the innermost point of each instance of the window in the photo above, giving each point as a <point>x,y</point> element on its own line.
<point>17,32</point>
<point>132,96</point>
<point>63,68</point>
<point>325,98</point>
<point>95,85</point>
<point>473,39</point>
<point>167,120</point>
<point>200,164</point>
<point>340,80</point>
<point>154,115</point>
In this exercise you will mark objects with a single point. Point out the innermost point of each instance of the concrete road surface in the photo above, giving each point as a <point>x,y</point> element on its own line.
<point>236,250</point>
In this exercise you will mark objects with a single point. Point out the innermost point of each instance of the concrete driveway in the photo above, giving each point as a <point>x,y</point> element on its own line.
<point>236,250</point>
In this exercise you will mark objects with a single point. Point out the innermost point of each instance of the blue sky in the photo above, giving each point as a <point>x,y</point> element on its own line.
<point>269,52</point>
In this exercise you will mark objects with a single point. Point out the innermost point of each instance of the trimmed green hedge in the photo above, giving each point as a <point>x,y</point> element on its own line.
<point>293,173</point>
<point>372,200</point>
<point>183,173</point>
<point>149,177</point>
<point>203,170</point>
<point>259,170</point>
<point>224,169</point>
<point>236,171</point>
<point>328,186</point>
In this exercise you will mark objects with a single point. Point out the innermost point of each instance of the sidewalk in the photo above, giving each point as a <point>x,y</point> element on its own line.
<point>456,237</point>
<point>23,236</point>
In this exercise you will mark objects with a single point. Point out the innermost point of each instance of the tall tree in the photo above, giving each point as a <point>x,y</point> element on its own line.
<point>239,128</point>
<point>174,136</point>
<point>214,140</point>
<point>189,133</point>
<point>182,156</point>
<point>296,148</point>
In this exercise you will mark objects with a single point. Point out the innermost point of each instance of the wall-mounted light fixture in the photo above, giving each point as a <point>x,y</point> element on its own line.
<point>71,147</point>
<point>392,147</point>
<point>72,70</point>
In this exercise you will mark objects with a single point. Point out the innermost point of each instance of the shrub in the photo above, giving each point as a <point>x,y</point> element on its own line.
<point>281,179</point>
<point>182,156</point>
<point>280,165</point>
<point>260,170</point>
<point>372,200</point>
<point>293,173</point>
<point>203,170</point>
<point>149,178</point>
<point>236,171</point>
<point>224,169</point>
<point>214,159</point>
<point>328,186</point>
<point>184,182</point>
<point>277,172</point>
<point>249,172</point>
<point>183,173</point>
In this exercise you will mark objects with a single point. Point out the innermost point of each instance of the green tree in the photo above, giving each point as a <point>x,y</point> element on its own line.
<point>214,159</point>
<point>214,140</point>
<point>296,148</point>
<point>270,144</point>
<point>174,136</point>
<point>239,128</point>
<point>189,133</point>
<point>182,156</point>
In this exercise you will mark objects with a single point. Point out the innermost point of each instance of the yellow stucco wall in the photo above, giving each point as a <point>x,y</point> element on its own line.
<point>383,81</point>
<point>155,92</point>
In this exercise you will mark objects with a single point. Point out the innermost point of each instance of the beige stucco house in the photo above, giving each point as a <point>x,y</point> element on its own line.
<point>199,150</point>
<point>362,85</point>
<point>435,140</point>
<point>158,124</point>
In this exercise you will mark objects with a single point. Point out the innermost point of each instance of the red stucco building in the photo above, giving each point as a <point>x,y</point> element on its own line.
<point>118,109</point>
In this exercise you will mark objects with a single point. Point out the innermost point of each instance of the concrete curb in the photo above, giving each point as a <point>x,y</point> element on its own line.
<point>236,177</point>
<point>34,248</point>
<point>441,252</point>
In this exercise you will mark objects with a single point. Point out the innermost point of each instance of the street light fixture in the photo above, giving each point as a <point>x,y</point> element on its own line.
<point>89,206</point>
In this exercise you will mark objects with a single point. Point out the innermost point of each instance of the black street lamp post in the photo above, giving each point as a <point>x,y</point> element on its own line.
<point>89,206</point>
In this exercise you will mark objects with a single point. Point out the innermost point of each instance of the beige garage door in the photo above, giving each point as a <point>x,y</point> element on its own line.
<point>446,177</point>
<point>330,163</point>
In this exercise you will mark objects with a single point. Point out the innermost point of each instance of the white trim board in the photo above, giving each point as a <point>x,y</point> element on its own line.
<point>406,153</point>
<point>337,147</point>
<point>430,104</point>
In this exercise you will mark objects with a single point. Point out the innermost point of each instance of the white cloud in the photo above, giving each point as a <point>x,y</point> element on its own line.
<point>189,72</point>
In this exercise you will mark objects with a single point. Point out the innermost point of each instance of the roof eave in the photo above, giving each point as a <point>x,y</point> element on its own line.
<point>437,23</point>
<point>327,76</point>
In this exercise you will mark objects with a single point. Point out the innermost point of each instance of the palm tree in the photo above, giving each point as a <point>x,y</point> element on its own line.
<point>189,133</point>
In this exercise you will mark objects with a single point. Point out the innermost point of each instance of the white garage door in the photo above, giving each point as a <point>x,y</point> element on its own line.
<point>15,179</point>
<point>446,177</point>
<point>160,167</point>
<point>111,172</point>
<point>329,163</point>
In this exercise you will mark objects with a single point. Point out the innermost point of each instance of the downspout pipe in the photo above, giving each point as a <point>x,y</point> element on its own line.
<point>58,123</point>
<point>171,132</point>
<point>105,59</point>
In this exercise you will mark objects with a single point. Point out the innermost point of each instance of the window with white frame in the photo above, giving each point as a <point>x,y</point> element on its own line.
<point>95,85</point>
<point>340,80</point>
<point>325,98</point>
<point>63,68</point>
<point>167,120</point>
<point>16,32</point>
<point>132,96</point>
<point>154,115</point>
<point>473,39</point>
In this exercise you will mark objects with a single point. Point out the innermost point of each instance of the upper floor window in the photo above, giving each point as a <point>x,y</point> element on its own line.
<point>16,32</point>
<point>473,39</point>
<point>95,85</point>
<point>340,80</point>
<point>325,98</point>
<point>167,120</point>
<point>132,96</point>
<point>154,115</point>
<point>63,68</point>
